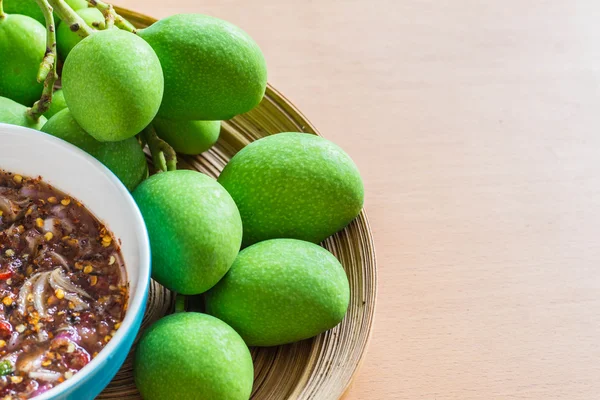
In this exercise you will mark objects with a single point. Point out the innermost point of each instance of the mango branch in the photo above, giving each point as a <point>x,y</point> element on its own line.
<point>163,155</point>
<point>70,17</point>
<point>111,16</point>
<point>47,71</point>
<point>49,59</point>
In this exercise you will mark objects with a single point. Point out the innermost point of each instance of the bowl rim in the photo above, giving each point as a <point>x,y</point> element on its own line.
<point>137,300</point>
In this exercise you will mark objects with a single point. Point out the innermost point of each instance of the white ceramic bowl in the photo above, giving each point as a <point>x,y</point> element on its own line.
<point>31,153</point>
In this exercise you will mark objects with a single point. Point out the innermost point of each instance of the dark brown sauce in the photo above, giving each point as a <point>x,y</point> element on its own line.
<point>63,286</point>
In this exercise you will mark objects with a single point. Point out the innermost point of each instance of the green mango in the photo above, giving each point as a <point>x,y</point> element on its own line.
<point>192,356</point>
<point>194,226</point>
<point>76,4</point>
<point>67,39</point>
<point>281,291</point>
<point>293,185</point>
<point>14,113</point>
<point>213,70</point>
<point>113,84</point>
<point>188,137</point>
<point>22,48</point>
<point>125,159</point>
<point>58,104</point>
<point>31,8</point>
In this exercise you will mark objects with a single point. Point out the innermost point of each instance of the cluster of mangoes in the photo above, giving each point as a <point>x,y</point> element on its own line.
<point>117,83</point>
<point>169,86</point>
<point>277,198</point>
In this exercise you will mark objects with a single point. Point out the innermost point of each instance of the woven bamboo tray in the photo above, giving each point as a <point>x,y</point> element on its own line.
<point>320,368</point>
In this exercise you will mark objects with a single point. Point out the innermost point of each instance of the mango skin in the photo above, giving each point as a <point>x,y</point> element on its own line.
<point>24,7</point>
<point>31,8</point>
<point>281,291</point>
<point>113,94</point>
<point>194,226</point>
<point>58,104</point>
<point>213,70</point>
<point>14,113</point>
<point>22,48</point>
<point>76,4</point>
<point>67,39</point>
<point>192,356</point>
<point>188,137</point>
<point>125,159</point>
<point>293,185</point>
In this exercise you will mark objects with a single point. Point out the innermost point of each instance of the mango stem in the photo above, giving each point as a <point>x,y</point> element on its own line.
<point>70,17</point>
<point>50,56</point>
<point>180,303</point>
<point>163,155</point>
<point>2,14</point>
<point>111,16</point>
<point>47,72</point>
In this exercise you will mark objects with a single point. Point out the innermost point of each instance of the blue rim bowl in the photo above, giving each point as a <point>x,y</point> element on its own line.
<point>32,153</point>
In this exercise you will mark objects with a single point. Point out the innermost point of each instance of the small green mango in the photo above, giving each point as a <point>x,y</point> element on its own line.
<point>67,39</point>
<point>22,48</point>
<point>14,113</point>
<point>281,291</point>
<point>29,8</point>
<point>213,69</point>
<point>194,226</point>
<point>293,185</point>
<point>188,137</point>
<point>77,4</point>
<point>58,104</point>
<point>192,356</point>
<point>113,84</point>
<point>125,159</point>
<point>32,9</point>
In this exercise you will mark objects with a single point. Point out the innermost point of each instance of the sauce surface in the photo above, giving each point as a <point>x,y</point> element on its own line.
<point>63,286</point>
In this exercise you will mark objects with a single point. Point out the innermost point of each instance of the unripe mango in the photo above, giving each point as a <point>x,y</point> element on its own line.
<point>281,291</point>
<point>293,185</point>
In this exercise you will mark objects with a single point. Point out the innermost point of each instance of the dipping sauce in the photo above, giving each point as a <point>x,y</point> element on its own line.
<point>63,287</point>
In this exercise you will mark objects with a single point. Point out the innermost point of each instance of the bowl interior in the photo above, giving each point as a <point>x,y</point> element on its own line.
<point>31,153</point>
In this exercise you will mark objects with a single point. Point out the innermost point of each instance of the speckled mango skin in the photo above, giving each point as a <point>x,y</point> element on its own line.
<point>194,226</point>
<point>66,39</point>
<point>22,48</point>
<point>213,70</point>
<point>281,291</point>
<point>293,185</point>
<point>14,113</point>
<point>125,159</point>
<point>113,84</point>
<point>188,137</point>
<point>192,356</point>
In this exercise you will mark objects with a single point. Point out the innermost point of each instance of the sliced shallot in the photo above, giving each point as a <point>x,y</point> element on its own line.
<point>24,294</point>
<point>39,287</point>
<point>45,375</point>
<point>58,280</point>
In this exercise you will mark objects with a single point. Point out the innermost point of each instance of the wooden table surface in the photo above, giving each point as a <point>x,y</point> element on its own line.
<point>476,126</point>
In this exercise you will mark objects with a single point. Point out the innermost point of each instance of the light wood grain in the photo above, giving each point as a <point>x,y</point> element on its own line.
<point>476,126</point>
